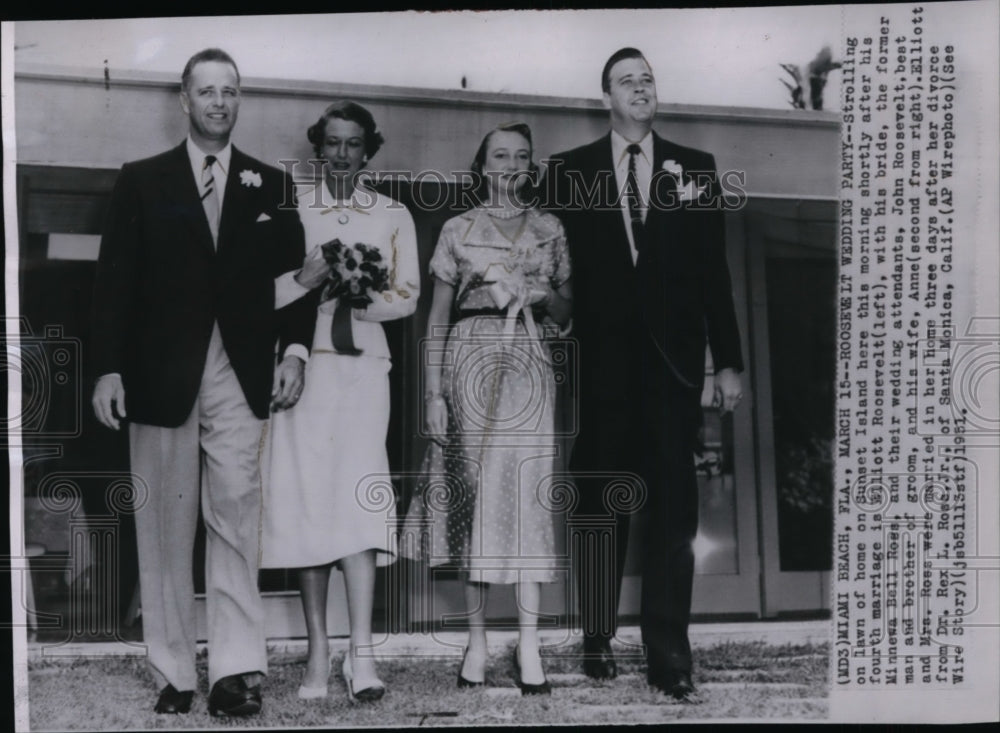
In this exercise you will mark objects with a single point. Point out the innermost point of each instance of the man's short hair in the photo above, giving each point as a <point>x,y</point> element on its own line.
<point>620,55</point>
<point>209,54</point>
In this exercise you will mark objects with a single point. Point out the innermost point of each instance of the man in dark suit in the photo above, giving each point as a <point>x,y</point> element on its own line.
<point>185,326</point>
<point>651,286</point>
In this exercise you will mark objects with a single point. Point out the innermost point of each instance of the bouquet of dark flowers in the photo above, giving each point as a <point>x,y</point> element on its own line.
<point>357,273</point>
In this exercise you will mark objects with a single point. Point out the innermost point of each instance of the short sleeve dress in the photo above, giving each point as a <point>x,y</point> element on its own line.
<point>487,501</point>
<point>327,488</point>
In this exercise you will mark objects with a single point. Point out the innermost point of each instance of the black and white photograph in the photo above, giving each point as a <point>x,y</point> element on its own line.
<point>563,367</point>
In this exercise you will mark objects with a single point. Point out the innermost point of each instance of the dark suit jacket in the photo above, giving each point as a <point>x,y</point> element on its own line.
<point>678,294</point>
<point>161,284</point>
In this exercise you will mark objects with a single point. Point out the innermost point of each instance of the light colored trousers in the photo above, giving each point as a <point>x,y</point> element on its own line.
<point>213,457</point>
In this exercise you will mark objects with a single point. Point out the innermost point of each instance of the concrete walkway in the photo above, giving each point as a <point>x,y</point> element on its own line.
<point>451,643</point>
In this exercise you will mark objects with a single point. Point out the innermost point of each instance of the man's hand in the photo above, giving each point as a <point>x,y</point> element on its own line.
<point>728,390</point>
<point>109,400</point>
<point>315,269</point>
<point>289,379</point>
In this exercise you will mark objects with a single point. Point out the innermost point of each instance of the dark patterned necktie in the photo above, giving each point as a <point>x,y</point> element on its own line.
<point>210,197</point>
<point>632,197</point>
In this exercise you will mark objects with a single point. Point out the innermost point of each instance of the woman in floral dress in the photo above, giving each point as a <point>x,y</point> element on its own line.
<point>504,268</point>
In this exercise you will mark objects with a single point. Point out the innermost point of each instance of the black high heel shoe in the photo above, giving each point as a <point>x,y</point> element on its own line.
<point>463,683</point>
<point>526,689</point>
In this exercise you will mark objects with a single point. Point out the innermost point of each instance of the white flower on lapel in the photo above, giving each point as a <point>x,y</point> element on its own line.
<point>687,191</point>
<point>250,178</point>
<point>672,166</point>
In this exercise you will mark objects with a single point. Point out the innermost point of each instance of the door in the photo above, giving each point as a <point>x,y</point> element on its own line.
<point>791,250</point>
<point>74,514</point>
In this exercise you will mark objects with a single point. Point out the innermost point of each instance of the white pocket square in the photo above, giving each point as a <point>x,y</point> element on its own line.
<point>263,217</point>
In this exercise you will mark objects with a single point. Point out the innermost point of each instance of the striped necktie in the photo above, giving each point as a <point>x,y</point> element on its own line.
<point>210,197</point>
<point>632,197</point>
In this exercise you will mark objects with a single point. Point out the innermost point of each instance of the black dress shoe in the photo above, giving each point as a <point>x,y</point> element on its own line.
<point>231,696</point>
<point>677,685</point>
<point>526,688</point>
<point>464,683</point>
<point>172,702</point>
<point>598,660</point>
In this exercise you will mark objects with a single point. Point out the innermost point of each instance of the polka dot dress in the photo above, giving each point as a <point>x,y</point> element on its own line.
<point>485,502</point>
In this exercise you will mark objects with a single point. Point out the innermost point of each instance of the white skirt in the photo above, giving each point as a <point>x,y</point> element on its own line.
<point>324,467</point>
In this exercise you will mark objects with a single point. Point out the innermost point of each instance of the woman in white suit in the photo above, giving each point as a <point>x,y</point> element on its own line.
<point>326,457</point>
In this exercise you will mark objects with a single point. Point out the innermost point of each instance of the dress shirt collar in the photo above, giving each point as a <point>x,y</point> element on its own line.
<point>619,149</point>
<point>197,156</point>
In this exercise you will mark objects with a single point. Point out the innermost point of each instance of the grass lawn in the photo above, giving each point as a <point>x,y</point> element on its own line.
<point>736,680</point>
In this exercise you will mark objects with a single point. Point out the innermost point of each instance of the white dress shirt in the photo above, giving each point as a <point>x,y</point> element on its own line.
<point>290,289</point>
<point>220,168</point>
<point>643,175</point>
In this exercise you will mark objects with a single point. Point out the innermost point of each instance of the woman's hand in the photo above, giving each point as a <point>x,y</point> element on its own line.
<point>556,302</point>
<point>435,408</point>
<point>540,294</point>
<point>315,269</point>
<point>436,412</point>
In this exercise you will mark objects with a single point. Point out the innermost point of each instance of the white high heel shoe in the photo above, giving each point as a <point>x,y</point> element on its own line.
<point>371,689</point>
<point>315,693</point>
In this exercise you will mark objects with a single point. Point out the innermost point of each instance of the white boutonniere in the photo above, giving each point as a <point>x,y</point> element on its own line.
<point>250,178</point>
<point>687,191</point>
<point>672,166</point>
